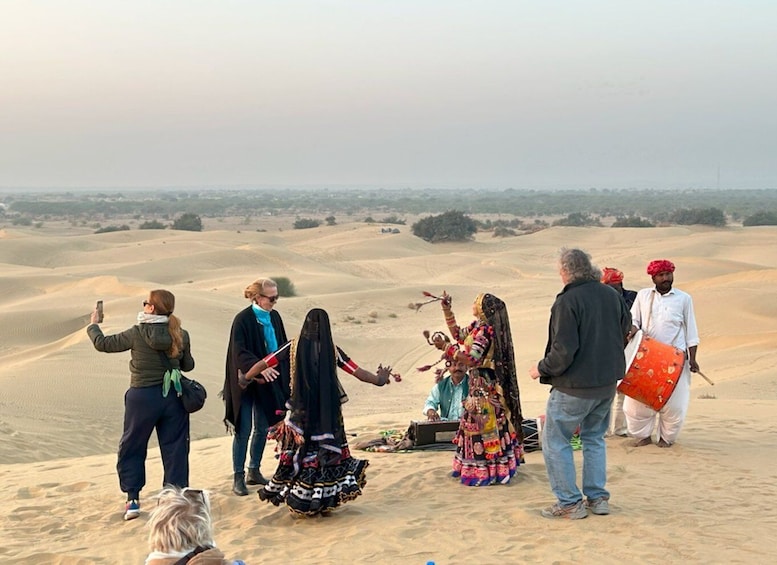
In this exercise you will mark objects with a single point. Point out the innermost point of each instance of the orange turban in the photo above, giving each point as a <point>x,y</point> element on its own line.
<point>610,275</point>
<point>660,266</point>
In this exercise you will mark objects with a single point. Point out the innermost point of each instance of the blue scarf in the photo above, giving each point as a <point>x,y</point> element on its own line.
<point>263,317</point>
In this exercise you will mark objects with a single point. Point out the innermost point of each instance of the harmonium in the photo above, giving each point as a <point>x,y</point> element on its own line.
<point>429,432</point>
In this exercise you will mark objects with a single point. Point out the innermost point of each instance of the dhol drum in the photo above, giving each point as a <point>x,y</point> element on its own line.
<point>652,370</point>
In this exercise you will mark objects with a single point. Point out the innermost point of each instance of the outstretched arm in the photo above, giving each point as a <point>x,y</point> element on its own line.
<point>380,378</point>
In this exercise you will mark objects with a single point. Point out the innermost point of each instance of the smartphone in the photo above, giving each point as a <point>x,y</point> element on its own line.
<point>99,308</point>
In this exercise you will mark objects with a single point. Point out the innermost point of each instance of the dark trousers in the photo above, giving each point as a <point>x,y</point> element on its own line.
<point>145,409</point>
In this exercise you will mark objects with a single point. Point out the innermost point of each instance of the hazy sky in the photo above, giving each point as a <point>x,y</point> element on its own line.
<point>522,94</point>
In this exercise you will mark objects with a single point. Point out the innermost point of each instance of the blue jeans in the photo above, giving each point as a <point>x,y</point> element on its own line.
<point>251,420</point>
<point>564,413</point>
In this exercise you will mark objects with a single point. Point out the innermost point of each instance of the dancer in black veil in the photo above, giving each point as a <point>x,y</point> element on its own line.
<point>316,472</point>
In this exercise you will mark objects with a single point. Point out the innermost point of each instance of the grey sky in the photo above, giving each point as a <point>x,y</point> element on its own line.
<point>499,94</point>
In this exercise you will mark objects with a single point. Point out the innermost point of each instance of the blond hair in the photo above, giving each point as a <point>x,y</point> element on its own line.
<point>181,521</point>
<point>259,286</point>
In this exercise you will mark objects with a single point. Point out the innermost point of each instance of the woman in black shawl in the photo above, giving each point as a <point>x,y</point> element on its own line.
<point>316,472</point>
<point>490,437</point>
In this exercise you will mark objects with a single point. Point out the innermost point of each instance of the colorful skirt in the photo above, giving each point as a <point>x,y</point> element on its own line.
<point>487,448</point>
<point>317,482</point>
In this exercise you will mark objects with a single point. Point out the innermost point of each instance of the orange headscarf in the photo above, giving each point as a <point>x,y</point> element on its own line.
<point>610,275</point>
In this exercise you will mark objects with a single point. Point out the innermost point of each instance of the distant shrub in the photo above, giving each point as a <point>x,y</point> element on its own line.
<point>108,229</point>
<point>393,220</point>
<point>188,222</point>
<point>449,226</point>
<point>369,220</point>
<point>306,223</point>
<point>631,222</point>
<point>700,216</point>
<point>761,219</point>
<point>152,225</point>
<point>21,221</point>
<point>330,220</point>
<point>285,286</point>
<point>502,231</point>
<point>578,219</point>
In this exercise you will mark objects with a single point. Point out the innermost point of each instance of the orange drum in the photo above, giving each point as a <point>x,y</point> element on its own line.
<point>652,370</point>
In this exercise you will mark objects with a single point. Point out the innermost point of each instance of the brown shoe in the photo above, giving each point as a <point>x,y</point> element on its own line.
<point>641,442</point>
<point>662,443</point>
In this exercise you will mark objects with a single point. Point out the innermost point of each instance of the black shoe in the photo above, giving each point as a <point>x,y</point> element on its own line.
<point>239,486</point>
<point>255,477</point>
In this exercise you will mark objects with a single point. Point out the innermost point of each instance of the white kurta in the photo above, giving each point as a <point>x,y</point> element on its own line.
<point>667,318</point>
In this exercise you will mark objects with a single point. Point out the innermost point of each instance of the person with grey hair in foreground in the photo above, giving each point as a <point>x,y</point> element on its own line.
<point>181,530</point>
<point>583,362</point>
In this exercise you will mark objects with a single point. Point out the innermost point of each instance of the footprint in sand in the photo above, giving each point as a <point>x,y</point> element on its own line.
<point>75,487</point>
<point>31,492</point>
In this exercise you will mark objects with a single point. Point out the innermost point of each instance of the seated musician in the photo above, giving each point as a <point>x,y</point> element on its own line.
<point>445,399</point>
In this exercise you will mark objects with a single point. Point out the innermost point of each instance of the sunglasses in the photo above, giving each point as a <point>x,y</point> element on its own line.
<point>196,495</point>
<point>147,303</point>
<point>272,299</point>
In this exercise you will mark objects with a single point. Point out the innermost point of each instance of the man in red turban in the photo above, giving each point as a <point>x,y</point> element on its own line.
<point>665,314</point>
<point>611,276</point>
<point>660,266</point>
<point>614,278</point>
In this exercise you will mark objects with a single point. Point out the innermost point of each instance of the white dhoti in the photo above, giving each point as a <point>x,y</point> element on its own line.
<point>617,417</point>
<point>641,419</point>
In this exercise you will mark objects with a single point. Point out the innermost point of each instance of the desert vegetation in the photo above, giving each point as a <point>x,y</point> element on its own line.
<point>518,211</point>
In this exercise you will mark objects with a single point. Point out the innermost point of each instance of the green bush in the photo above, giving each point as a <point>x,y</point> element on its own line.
<point>702,216</point>
<point>578,219</point>
<point>502,231</point>
<point>761,219</point>
<point>393,219</point>
<point>631,222</point>
<point>188,222</point>
<point>285,286</point>
<point>449,226</point>
<point>108,229</point>
<point>306,223</point>
<point>152,225</point>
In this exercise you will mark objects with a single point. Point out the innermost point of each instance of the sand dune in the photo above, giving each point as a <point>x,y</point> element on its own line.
<point>708,499</point>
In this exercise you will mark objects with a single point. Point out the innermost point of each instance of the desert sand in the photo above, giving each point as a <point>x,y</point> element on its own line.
<point>708,499</point>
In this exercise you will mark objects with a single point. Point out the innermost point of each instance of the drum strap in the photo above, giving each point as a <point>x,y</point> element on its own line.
<point>650,310</point>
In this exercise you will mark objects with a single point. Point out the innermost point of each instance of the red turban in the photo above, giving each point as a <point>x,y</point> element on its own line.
<point>660,266</point>
<point>610,275</point>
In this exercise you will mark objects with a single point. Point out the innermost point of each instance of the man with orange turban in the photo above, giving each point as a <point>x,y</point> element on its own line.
<point>614,278</point>
<point>666,315</point>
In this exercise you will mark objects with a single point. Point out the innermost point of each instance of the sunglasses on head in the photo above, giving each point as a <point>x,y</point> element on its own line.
<point>194,494</point>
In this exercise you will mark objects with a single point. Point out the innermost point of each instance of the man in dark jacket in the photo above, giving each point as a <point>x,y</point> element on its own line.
<point>583,362</point>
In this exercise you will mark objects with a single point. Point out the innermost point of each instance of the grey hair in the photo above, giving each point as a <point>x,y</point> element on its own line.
<point>181,521</point>
<point>577,265</point>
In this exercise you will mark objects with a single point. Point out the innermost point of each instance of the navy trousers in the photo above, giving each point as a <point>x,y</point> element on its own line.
<point>145,409</point>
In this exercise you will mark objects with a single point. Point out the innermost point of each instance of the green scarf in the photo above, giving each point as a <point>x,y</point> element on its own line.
<point>172,376</point>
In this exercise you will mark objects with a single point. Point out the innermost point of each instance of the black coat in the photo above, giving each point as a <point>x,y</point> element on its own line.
<point>586,334</point>
<point>246,347</point>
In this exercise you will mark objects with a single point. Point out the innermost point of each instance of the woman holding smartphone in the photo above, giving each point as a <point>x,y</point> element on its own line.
<point>151,401</point>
